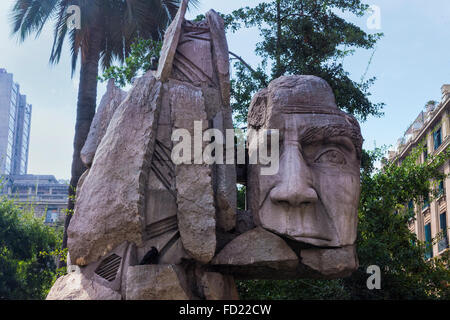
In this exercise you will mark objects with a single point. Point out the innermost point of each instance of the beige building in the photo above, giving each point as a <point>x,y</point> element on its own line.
<point>47,196</point>
<point>431,128</point>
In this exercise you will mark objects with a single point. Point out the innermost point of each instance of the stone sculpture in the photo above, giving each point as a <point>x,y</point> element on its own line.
<point>312,202</point>
<point>147,228</point>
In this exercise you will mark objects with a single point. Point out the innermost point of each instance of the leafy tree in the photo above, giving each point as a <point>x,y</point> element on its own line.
<point>303,289</point>
<point>27,263</point>
<point>108,27</point>
<point>304,37</point>
<point>142,58</point>
<point>384,238</point>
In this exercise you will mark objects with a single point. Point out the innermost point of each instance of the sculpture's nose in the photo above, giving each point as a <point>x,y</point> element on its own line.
<point>295,185</point>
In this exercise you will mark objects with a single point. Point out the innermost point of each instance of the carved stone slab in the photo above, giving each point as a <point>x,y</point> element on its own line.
<point>255,253</point>
<point>75,286</point>
<point>108,105</point>
<point>216,286</point>
<point>337,263</point>
<point>220,54</point>
<point>109,204</point>
<point>171,39</point>
<point>195,197</point>
<point>157,282</point>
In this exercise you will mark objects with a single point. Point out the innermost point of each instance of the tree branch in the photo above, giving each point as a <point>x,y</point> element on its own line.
<point>253,71</point>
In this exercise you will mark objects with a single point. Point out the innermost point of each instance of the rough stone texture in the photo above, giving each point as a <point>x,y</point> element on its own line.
<point>337,263</point>
<point>108,105</point>
<point>220,54</point>
<point>160,242</point>
<point>109,204</point>
<point>202,59</point>
<point>244,221</point>
<point>75,286</point>
<point>195,198</point>
<point>171,39</point>
<point>216,286</point>
<point>196,215</point>
<point>175,254</point>
<point>257,248</point>
<point>225,179</point>
<point>157,282</point>
<point>193,60</point>
<point>259,109</point>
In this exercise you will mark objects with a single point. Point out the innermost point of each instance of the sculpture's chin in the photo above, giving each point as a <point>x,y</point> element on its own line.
<point>309,225</point>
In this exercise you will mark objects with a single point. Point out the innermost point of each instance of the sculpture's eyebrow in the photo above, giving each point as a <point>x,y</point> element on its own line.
<point>315,134</point>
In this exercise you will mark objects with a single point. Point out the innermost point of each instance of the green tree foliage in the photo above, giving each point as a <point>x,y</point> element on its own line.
<point>142,53</point>
<point>383,236</point>
<point>304,289</point>
<point>383,240</point>
<point>304,37</point>
<point>27,265</point>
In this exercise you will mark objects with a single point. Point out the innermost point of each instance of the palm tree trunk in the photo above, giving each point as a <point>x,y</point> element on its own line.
<point>87,98</point>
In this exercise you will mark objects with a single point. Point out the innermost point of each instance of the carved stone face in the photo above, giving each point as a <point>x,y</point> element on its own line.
<point>314,197</point>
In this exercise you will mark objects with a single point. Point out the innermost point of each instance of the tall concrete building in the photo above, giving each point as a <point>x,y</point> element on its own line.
<point>431,129</point>
<point>15,120</point>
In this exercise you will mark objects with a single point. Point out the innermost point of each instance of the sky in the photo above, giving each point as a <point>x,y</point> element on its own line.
<point>411,63</point>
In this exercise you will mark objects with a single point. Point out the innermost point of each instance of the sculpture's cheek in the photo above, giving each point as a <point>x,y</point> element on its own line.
<point>339,195</point>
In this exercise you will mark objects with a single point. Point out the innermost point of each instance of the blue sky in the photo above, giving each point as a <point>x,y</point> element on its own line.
<point>411,63</point>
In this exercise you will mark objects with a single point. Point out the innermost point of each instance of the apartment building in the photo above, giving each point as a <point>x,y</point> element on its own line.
<point>47,196</point>
<point>432,129</point>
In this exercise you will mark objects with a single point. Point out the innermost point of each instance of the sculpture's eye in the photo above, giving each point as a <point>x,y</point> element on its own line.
<point>331,156</point>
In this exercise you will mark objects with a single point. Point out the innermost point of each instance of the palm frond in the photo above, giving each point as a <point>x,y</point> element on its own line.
<point>119,21</point>
<point>30,16</point>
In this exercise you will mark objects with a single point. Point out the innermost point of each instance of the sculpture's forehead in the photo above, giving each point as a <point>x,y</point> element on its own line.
<point>300,98</point>
<point>304,121</point>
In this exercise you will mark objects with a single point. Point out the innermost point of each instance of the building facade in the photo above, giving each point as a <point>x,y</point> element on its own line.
<point>46,195</point>
<point>15,121</point>
<point>431,129</point>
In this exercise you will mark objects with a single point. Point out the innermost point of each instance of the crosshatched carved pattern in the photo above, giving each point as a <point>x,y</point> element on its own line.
<point>193,61</point>
<point>109,267</point>
<point>163,166</point>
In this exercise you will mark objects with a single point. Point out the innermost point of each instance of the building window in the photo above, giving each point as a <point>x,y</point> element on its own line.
<point>52,215</point>
<point>426,202</point>
<point>425,153</point>
<point>443,242</point>
<point>437,138</point>
<point>441,188</point>
<point>410,211</point>
<point>428,243</point>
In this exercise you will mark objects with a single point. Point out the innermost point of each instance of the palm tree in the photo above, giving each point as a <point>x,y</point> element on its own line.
<point>108,27</point>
